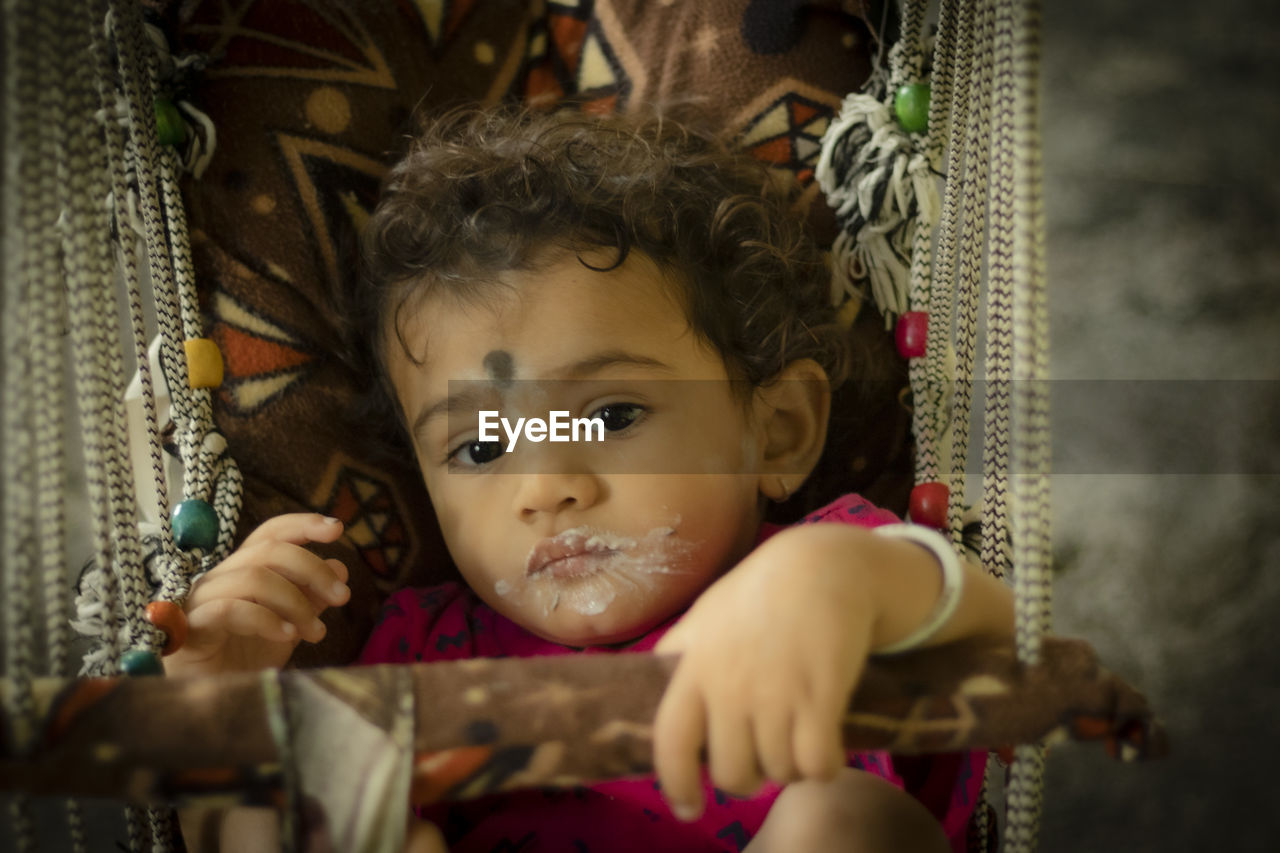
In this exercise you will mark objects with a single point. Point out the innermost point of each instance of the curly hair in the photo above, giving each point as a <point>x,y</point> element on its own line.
<point>480,192</point>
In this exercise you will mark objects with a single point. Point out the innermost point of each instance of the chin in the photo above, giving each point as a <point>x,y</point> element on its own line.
<point>590,634</point>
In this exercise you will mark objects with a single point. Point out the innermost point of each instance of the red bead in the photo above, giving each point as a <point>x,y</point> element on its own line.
<point>928,505</point>
<point>911,333</point>
<point>170,618</point>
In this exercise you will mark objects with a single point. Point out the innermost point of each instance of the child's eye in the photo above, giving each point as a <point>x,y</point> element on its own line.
<point>619,416</point>
<point>473,454</point>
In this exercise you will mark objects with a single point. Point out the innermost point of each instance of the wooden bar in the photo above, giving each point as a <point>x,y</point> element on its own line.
<point>485,725</point>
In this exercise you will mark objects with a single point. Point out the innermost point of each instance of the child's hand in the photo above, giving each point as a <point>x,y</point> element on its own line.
<point>254,607</point>
<point>770,656</point>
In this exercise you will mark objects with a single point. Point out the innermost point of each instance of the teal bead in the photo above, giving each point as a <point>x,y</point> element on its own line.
<point>195,525</point>
<point>911,105</point>
<point>169,124</point>
<point>136,662</point>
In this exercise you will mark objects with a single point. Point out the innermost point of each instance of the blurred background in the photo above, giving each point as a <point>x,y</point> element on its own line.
<point>1163,190</point>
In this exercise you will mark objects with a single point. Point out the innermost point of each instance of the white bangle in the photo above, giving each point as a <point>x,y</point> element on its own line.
<point>952,582</point>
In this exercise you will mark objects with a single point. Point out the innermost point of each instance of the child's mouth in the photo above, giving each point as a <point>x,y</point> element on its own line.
<point>585,568</point>
<point>574,565</point>
<point>576,552</point>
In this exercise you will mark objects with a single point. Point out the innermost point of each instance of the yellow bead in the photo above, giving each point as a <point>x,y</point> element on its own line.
<point>204,363</point>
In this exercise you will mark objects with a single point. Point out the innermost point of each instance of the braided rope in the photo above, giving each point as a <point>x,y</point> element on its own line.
<point>50,383</point>
<point>1030,452</point>
<point>933,376</point>
<point>968,249</point>
<point>99,367</point>
<point>1033,524</point>
<point>997,554</point>
<point>178,316</point>
<point>138,828</point>
<point>209,473</point>
<point>906,57</point>
<point>940,353</point>
<point>144,150</point>
<point>128,262</point>
<point>28,209</point>
<point>75,827</point>
<point>1024,798</point>
<point>22,210</point>
<point>994,54</point>
<point>1021,362</point>
<point>980,828</point>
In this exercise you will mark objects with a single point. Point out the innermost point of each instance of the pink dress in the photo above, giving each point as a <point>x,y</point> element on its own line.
<point>449,622</point>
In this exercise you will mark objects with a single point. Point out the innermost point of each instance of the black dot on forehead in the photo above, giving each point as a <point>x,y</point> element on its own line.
<point>500,366</point>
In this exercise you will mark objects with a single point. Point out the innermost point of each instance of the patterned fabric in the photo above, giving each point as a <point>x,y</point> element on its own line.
<point>448,622</point>
<point>309,99</point>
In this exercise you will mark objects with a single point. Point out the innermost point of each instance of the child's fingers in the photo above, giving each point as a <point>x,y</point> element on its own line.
<point>731,752</point>
<point>323,580</point>
<point>241,618</point>
<point>819,753</point>
<point>774,736</point>
<point>679,730</point>
<point>266,587</point>
<point>297,527</point>
<point>337,594</point>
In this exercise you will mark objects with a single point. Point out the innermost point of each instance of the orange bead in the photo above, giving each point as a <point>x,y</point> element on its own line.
<point>170,618</point>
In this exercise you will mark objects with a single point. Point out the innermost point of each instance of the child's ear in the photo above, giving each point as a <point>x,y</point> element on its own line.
<point>791,412</point>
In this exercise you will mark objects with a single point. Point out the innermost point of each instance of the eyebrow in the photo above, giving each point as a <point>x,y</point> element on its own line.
<point>610,358</point>
<point>471,397</point>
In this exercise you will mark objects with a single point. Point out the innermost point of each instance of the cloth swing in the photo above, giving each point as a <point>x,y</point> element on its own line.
<point>82,81</point>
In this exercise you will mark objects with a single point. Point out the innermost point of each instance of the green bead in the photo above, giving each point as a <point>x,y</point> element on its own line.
<point>195,525</point>
<point>911,105</point>
<point>136,662</point>
<point>169,124</point>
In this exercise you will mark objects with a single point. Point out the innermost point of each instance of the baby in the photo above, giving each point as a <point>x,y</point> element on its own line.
<point>523,271</point>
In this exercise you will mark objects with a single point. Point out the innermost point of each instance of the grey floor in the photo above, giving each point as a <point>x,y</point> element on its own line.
<point>1163,188</point>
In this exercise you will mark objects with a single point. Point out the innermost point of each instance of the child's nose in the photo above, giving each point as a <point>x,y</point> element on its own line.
<point>544,492</point>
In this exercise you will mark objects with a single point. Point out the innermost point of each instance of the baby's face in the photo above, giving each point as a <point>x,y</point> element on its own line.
<point>581,542</point>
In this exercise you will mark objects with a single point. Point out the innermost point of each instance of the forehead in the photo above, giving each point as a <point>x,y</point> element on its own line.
<point>526,322</point>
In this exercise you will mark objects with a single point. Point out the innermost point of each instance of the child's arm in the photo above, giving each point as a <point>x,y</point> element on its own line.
<point>771,652</point>
<point>251,611</point>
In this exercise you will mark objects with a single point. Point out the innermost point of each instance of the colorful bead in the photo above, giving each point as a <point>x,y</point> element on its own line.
<point>136,662</point>
<point>195,525</point>
<point>170,618</point>
<point>204,363</point>
<point>912,333</point>
<point>911,105</point>
<point>169,124</point>
<point>928,505</point>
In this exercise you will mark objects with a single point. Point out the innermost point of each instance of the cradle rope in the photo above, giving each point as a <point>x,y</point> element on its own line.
<point>21,206</point>
<point>1030,452</point>
<point>209,473</point>
<point>967,258</point>
<point>984,83</point>
<point>99,368</point>
<point>933,376</point>
<point>123,207</point>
